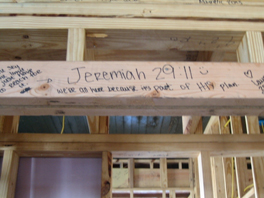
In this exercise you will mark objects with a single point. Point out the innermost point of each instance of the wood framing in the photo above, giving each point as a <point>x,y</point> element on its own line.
<point>75,88</point>
<point>122,57</point>
<point>134,146</point>
<point>137,10</point>
<point>9,174</point>
<point>107,166</point>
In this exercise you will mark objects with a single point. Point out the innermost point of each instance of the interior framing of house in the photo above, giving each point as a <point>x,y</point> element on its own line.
<point>102,58</point>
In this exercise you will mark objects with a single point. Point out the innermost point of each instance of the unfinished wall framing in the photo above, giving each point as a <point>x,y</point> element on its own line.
<point>141,57</point>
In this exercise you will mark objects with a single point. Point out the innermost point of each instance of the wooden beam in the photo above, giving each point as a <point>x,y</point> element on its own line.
<point>9,124</point>
<point>136,10</point>
<point>251,50</point>
<point>205,177</point>
<point>177,2</point>
<point>135,146</point>
<point>107,166</point>
<point>35,22</point>
<point>9,174</point>
<point>130,88</point>
<point>98,124</point>
<point>190,124</point>
<point>250,194</point>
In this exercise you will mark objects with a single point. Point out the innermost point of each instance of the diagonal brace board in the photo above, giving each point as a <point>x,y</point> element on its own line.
<point>118,88</point>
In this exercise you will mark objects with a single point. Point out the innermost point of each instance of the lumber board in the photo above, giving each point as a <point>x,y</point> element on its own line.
<point>107,170</point>
<point>240,163</point>
<point>140,55</point>
<point>9,174</point>
<point>136,10</point>
<point>9,124</point>
<point>227,162</point>
<point>256,162</point>
<point>205,177</point>
<point>217,167</point>
<point>137,146</point>
<point>118,88</point>
<point>250,194</point>
<point>195,2</point>
<point>163,173</point>
<point>42,22</point>
<point>163,40</point>
<point>190,124</point>
<point>32,55</point>
<point>33,39</point>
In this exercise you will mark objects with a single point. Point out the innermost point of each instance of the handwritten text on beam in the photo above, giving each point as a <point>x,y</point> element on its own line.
<point>94,83</point>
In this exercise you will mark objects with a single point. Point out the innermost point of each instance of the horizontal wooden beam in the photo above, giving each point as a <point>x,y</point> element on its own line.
<point>131,88</point>
<point>135,146</point>
<point>37,22</point>
<point>177,2</point>
<point>136,10</point>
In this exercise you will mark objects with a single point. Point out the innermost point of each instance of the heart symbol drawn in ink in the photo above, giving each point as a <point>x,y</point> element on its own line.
<point>248,74</point>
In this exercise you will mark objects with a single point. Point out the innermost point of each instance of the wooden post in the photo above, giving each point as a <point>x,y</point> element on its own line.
<point>227,162</point>
<point>251,50</point>
<point>98,124</point>
<point>190,124</point>
<point>213,127</point>
<point>163,176</point>
<point>172,194</point>
<point>131,176</point>
<point>107,164</point>
<point>9,174</point>
<point>205,176</point>
<point>257,163</point>
<point>9,124</point>
<point>76,52</point>
<point>76,44</point>
<point>240,162</point>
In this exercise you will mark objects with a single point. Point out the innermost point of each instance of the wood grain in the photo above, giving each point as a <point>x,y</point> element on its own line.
<point>133,86</point>
<point>137,10</point>
<point>9,174</point>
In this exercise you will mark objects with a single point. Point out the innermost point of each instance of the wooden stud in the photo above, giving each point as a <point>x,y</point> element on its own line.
<point>163,193</point>
<point>240,163</point>
<point>76,44</point>
<point>9,174</point>
<point>257,163</point>
<point>250,194</point>
<point>107,164</point>
<point>227,162</point>
<point>251,50</point>
<point>190,124</point>
<point>213,127</point>
<point>131,172</point>
<point>205,176</point>
<point>98,124</point>
<point>172,194</point>
<point>9,124</point>
<point>76,52</point>
<point>163,173</point>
